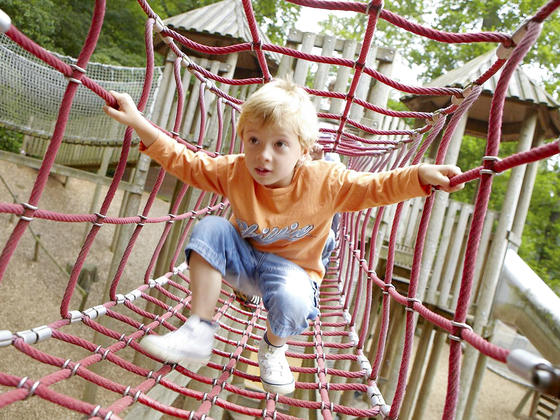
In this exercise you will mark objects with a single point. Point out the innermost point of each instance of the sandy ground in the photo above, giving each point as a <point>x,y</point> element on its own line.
<point>31,291</point>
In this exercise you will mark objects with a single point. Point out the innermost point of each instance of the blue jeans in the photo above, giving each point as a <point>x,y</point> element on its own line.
<point>289,295</point>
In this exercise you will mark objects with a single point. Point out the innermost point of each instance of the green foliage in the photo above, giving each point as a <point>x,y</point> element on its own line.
<point>435,58</point>
<point>62,27</point>
<point>35,18</point>
<point>10,141</point>
<point>472,151</point>
<point>541,237</point>
<point>276,17</point>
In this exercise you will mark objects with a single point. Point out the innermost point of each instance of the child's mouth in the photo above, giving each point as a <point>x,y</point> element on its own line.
<point>262,171</point>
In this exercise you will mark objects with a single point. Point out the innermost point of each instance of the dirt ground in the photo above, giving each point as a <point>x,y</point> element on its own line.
<point>31,291</point>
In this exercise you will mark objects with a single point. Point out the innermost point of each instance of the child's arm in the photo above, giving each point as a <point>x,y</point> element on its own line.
<point>128,114</point>
<point>438,176</point>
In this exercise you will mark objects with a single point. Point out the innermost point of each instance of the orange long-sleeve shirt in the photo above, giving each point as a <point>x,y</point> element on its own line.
<point>294,221</point>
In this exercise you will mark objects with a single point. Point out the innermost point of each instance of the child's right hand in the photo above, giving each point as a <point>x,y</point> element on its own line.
<point>127,113</point>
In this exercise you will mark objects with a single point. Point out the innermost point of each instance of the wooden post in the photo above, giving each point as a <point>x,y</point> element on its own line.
<point>424,394</point>
<point>525,196</point>
<point>436,219</point>
<point>357,111</point>
<point>36,250</point>
<point>379,94</point>
<point>420,361</point>
<point>286,62</point>
<point>320,81</point>
<point>133,204</point>
<point>166,91</point>
<point>302,66</point>
<point>342,75</point>
<point>395,342</point>
<point>97,192</point>
<point>441,201</point>
<point>493,269</point>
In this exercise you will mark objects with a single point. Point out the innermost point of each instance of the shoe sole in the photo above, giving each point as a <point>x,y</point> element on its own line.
<point>282,389</point>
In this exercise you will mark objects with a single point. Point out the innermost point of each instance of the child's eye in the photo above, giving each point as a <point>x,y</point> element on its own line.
<point>281,144</point>
<point>253,140</point>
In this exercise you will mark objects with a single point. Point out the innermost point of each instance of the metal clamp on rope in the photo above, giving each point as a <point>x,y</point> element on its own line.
<point>142,218</point>
<point>78,68</point>
<point>99,221</point>
<point>29,207</point>
<point>6,338</point>
<point>386,288</point>
<point>436,116</point>
<point>32,389</point>
<point>258,46</point>
<point>75,316</point>
<point>376,399</point>
<point>27,336</point>
<point>159,27</point>
<point>5,22</point>
<point>503,52</point>
<point>536,370</point>
<point>410,303</point>
<point>160,281</point>
<point>132,296</point>
<point>458,100</point>
<point>353,337</point>
<point>373,6</point>
<point>210,86</point>
<point>95,411</point>
<point>460,326</point>
<point>95,311</point>
<point>180,268</point>
<point>364,364</point>
<point>330,406</point>
<point>119,298</point>
<point>186,61</point>
<point>489,162</point>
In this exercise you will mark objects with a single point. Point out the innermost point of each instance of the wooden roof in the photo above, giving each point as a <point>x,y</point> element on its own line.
<point>523,94</point>
<point>221,24</point>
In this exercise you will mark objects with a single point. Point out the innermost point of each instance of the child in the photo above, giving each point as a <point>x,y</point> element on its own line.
<point>282,204</point>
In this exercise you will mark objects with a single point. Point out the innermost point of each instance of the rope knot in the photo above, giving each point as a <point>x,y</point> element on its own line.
<point>374,7</point>
<point>256,45</point>
<point>458,100</point>
<point>503,52</point>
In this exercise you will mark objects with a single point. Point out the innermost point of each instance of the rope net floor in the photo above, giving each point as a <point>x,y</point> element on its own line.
<point>339,355</point>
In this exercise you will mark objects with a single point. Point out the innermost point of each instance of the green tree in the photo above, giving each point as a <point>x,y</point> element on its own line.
<point>541,237</point>
<point>62,27</point>
<point>435,58</point>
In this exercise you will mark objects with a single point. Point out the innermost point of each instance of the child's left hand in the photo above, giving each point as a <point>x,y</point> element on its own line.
<point>439,175</point>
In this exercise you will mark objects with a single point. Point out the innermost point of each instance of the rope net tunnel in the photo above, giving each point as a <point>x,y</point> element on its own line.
<point>366,319</point>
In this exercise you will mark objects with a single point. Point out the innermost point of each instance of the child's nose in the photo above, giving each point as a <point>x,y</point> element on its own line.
<point>265,154</point>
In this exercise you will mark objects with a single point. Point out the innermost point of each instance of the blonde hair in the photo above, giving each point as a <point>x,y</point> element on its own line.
<point>282,103</point>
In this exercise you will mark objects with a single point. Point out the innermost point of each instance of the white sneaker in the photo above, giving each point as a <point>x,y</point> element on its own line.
<point>192,342</point>
<point>276,376</point>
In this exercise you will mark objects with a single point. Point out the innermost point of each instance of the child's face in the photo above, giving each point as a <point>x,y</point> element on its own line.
<point>271,154</point>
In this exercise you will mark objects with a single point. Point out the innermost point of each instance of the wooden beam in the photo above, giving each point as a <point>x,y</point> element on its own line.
<point>383,54</point>
<point>66,171</point>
